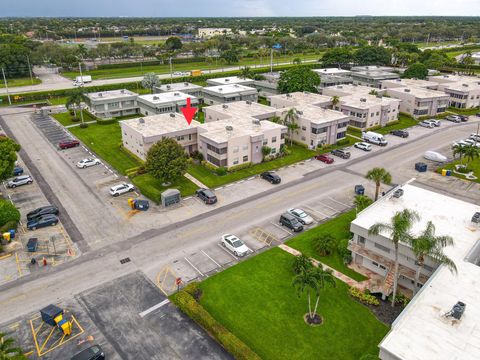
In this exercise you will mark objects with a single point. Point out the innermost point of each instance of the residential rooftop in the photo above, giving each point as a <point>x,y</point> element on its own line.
<point>372,68</point>
<point>229,80</point>
<point>318,115</point>
<point>302,98</point>
<point>376,74</point>
<point>243,108</point>
<point>331,71</point>
<point>180,86</point>
<point>364,101</point>
<point>111,94</point>
<point>351,89</point>
<point>421,331</point>
<point>229,89</point>
<point>453,78</point>
<point>463,86</point>
<point>167,97</point>
<point>160,124</point>
<point>418,92</point>
<point>409,83</point>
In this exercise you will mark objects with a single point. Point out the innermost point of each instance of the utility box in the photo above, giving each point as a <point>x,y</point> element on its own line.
<point>171,197</point>
<point>421,167</point>
<point>49,314</point>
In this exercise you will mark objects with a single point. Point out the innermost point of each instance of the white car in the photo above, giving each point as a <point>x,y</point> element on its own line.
<point>363,146</point>
<point>235,245</point>
<point>427,124</point>
<point>435,156</point>
<point>82,164</point>
<point>301,216</point>
<point>435,122</point>
<point>19,181</point>
<point>121,189</point>
<point>475,136</point>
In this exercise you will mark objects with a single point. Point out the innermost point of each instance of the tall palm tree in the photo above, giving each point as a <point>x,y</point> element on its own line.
<point>428,244</point>
<point>311,280</point>
<point>460,151</point>
<point>8,351</point>
<point>398,230</point>
<point>470,153</point>
<point>379,175</point>
<point>75,100</point>
<point>290,121</point>
<point>335,100</point>
<point>245,72</point>
<point>362,202</point>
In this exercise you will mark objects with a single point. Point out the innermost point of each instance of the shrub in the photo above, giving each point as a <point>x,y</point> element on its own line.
<point>209,166</point>
<point>324,245</point>
<point>9,214</point>
<point>187,304</point>
<point>197,155</point>
<point>84,125</point>
<point>363,297</point>
<point>343,142</point>
<point>9,225</point>
<point>221,171</point>
<point>401,299</point>
<point>106,122</point>
<point>75,119</point>
<point>239,167</point>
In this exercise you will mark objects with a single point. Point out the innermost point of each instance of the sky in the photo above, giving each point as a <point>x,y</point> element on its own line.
<point>237,8</point>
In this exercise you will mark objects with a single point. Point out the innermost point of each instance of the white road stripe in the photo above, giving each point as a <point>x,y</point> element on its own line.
<point>216,263</point>
<point>338,202</point>
<point>202,274</point>
<point>228,252</point>
<point>153,308</point>
<point>281,227</point>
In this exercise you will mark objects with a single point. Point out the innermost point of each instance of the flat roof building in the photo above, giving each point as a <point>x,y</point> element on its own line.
<point>372,78</point>
<point>463,94</point>
<point>350,89</point>
<point>211,32</point>
<point>167,102</point>
<point>418,102</point>
<point>423,331</point>
<point>440,79</point>
<point>409,83</point>
<point>221,94</point>
<point>230,80</point>
<point>184,87</point>
<point>112,103</point>
<point>333,76</point>
<point>239,109</point>
<point>299,98</point>
<point>139,134</point>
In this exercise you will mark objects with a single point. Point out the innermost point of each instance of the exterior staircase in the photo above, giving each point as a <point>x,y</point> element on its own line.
<point>387,286</point>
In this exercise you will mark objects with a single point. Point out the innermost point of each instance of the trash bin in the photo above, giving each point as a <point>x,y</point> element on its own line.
<point>6,236</point>
<point>49,313</point>
<point>142,205</point>
<point>421,167</point>
<point>32,244</point>
<point>444,172</point>
<point>131,202</point>
<point>12,233</point>
<point>359,190</point>
<point>449,172</point>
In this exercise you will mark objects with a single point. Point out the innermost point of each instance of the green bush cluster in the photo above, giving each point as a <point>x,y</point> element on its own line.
<point>240,167</point>
<point>364,297</point>
<point>343,142</point>
<point>221,171</point>
<point>149,63</point>
<point>401,299</point>
<point>9,216</point>
<point>106,122</point>
<point>209,166</point>
<point>186,303</point>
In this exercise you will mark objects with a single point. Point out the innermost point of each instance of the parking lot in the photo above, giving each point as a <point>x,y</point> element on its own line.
<point>128,317</point>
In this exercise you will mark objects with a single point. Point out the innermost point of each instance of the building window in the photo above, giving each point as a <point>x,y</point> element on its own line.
<point>342,125</point>
<point>428,268</point>
<point>274,139</point>
<point>245,158</point>
<point>319,130</point>
<point>304,128</point>
<point>381,247</point>
<point>361,240</point>
<point>265,141</point>
<point>235,149</point>
<point>341,135</point>
<point>180,138</point>
<point>235,161</point>
<point>372,114</point>
<point>245,147</point>
<point>273,151</point>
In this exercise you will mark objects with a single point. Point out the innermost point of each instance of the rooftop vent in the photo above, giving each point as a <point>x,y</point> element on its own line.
<point>229,128</point>
<point>156,98</point>
<point>256,122</point>
<point>466,85</point>
<point>122,91</point>
<point>220,89</point>
<point>227,80</point>
<point>476,218</point>
<point>236,85</point>
<point>289,95</point>
<point>457,310</point>
<point>398,193</point>
<point>340,87</point>
<point>363,99</point>
<point>225,106</point>
<point>176,94</point>
<point>172,115</point>
<point>406,90</point>
<point>299,112</point>
<point>445,76</point>
<point>168,86</point>
<point>141,121</point>
<point>186,83</point>
<point>248,102</point>
<point>100,94</point>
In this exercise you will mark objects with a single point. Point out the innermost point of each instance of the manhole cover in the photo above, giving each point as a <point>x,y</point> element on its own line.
<point>124,261</point>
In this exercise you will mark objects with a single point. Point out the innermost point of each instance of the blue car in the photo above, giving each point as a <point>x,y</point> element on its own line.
<point>17,170</point>
<point>42,221</point>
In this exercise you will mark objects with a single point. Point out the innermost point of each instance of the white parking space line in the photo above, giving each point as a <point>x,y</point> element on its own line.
<point>281,227</point>
<point>153,308</point>
<point>188,261</point>
<point>228,252</point>
<point>338,202</point>
<point>316,211</point>
<point>208,256</point>
<point>336,210</point>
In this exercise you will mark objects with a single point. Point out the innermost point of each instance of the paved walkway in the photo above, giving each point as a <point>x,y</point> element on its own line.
<point>348,280</point>
<point>86,122</point>
<point>195,181</point>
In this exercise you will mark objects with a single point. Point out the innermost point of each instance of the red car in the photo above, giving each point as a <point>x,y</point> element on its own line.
<point>325,158</point>
<point>68,144</point>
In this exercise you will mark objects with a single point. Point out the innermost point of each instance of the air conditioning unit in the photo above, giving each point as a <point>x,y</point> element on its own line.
<point>406,90</point>
<point>156,98</point>
<point>229,128</point>
<point>141,121</point>
<point>176,94</point>
<point>363,99</point>
<point>457,310</point>
<point>168,86</point>
<point>225,106</point>
<point>248,102</point>
<point>172,115</point>
<point>398,193</point>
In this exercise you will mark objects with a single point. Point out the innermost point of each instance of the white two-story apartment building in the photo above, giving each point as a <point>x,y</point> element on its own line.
<point>112,103</point>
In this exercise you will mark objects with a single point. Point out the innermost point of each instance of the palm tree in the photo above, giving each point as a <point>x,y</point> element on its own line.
<point>398,230</point>
<point>301,263</point>
<point>471,153</point>
<point>379,175</point>
<point>290,122</point>
<point>275,119</point>
<point>245,72</point>
<point>312,279</point>
<point>75,100</point>
<point>362,202</point>
<point>427,244</point>
<point>335,100</point>
<point>373,92</point>
<point>460,151</point>
<point>8,351</point>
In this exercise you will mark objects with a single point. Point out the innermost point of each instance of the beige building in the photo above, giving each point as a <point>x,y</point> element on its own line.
<point>230,80</point>
<point>238,109</point>
<point>239,140</point>
<point>138,135</point>
<point>294,99</point>
<point>397,83</point>
<point>183,87</point>
<point>167,102</point>
<point>350,89</point>
<point>222,94</point>
<point>418,102</point>
<point>463,95</point>
<point>113,103</point>
<point>211,32</point>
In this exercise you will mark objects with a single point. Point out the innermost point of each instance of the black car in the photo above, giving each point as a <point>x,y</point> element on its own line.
<point>271,177</point>
<point>207,196</point>
<point>17,170</point>
<point>400,133</point>
<point>341,153</point>
<point>42,221</point>
<point>44,210</point>
<point>290,222</point>
<point>463,117</point>
<point>94,352</point>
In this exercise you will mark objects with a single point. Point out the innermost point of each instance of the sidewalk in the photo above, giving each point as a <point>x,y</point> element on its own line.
<point>195,181</point>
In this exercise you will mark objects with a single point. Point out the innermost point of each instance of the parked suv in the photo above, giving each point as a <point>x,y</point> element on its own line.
<point>290,222</point>
<point>67,144</point>
<point>454,118</point>
<point>94,352</point>
<point>341,153</point>
<point>400,133</point>
<point>271,177</point>
<point>463,117</point>
<point>121,189</point>
<point>427,124</point>
<point>17,170</point>
<point>42,221</point>
<point>363,146</point>
<point>207,196</point>
<point>20,180</point>
<point>44,210</point>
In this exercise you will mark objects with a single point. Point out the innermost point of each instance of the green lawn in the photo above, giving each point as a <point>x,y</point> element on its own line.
<point>26,81</point>
<point>472,166</point>
<point>212,180</point>
<point>165,68</point>
<point>152,188</point>
<point>105,141</point>
<point>339,228</point>
<point>256,301</point>
<point>464,111</point>
<point>452,54</point>
<point>66,119</point>
<point>404,122</point>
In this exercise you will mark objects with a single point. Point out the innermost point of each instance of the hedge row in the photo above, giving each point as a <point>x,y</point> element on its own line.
<point>149,63</point>
<point>187,303</point>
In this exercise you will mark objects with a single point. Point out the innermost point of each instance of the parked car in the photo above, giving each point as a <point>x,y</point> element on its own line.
<point>341,153</point>
<point>363,146</point>
<point>477,114</point>
<point>41,211</point>
<point>301,216</point>
<point>87,162</point>
<point>359,190</point>
<point>42,221</point>
<point>435,156</point>
<point>271,177</point>
<point>290,222</point>
<point>19,181</point>
<point>454,118</point>
<point>17,170</point>
<point>475,136</point>
<point>235,245</point>
<point>400,133</point>
<point>207,195</point>
<point>67,144</point>
<point>427,124</point>
<point>121,189</point>
<point>463,117</point>
<point>94,352</point>
<point>435,122</point>
<point>324,158</point>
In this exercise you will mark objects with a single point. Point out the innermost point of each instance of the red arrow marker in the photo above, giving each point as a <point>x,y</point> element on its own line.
<point>189,112</point>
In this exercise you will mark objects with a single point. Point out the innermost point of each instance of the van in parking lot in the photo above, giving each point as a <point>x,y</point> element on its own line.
<point>290,222</point>
<point>374,138</point>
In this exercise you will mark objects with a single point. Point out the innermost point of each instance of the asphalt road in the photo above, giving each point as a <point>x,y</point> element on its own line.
<point>151,249</point>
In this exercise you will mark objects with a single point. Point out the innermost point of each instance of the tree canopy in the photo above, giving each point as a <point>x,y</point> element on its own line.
<point>173,43</point>
<point>416,71</point>
<point>298,79</point>
<point>150,80</point>
<point>166,160</point>
<point>8,156</point>
<point>373,55</point>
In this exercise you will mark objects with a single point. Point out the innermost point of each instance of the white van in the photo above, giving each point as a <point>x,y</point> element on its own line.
<point>374,138</point>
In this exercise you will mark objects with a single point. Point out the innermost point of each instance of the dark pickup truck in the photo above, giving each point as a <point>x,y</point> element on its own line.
<point>341,153</point>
